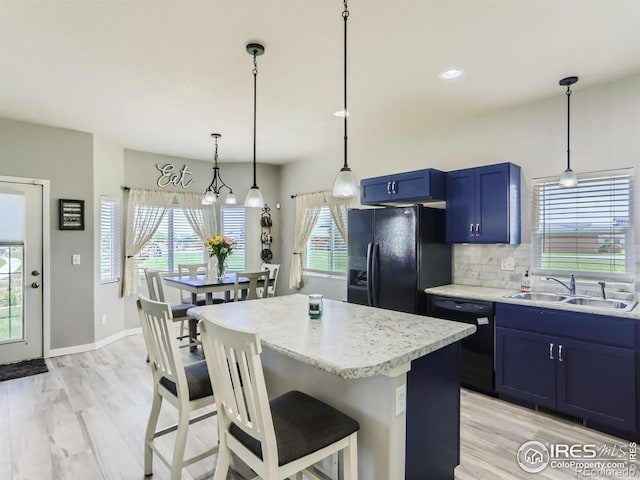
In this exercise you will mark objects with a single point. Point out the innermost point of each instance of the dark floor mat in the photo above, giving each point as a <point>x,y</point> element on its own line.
<point>23,369</point>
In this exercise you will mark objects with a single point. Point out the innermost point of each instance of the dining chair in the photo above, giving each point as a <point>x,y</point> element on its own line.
<point>273,269</point>
<point>178,312</point>
<point>192,270</point>
<point>256,287</point>
<point>186,387</point>
<point>278,438</point>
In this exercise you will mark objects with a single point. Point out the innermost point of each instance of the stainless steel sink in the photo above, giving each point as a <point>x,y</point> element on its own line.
<point>612,304</point>
<point>542,296</point>
<point>608,304</point>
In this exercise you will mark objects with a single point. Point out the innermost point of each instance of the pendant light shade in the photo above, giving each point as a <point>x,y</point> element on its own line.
<point>346,183</point>
<point>214,189</point>
<point>568,179</point>
<point>254,196</point>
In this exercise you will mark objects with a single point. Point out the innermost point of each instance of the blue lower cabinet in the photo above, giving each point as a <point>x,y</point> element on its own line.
<point>524,368</point>
<point>585,377</point>
<point>596,382</point>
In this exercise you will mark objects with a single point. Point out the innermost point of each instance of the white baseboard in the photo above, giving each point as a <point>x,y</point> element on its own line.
<point>57,352</point>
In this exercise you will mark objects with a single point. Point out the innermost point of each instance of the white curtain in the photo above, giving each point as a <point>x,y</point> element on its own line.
<point>202,218</point>
<point>307,210</point>
<point>339,207</point>
<point>144,213</point>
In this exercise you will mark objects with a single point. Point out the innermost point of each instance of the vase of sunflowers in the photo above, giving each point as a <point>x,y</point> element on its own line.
<point>220,247</point>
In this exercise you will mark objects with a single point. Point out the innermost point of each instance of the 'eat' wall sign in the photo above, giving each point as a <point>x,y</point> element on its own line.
<point>168,176</point>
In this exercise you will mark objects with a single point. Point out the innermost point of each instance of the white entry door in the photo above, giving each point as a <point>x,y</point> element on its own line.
<point>21,311</point>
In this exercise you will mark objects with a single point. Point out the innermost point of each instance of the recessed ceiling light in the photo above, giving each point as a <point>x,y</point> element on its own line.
<point>341,113</point>
<point>451,74</point>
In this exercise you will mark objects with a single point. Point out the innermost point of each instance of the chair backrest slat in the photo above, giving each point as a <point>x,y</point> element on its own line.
<point>192,269</point>
<point>273,269</point>
<point>161,342</point>
<point>233,359</point>
<point>155,285</point>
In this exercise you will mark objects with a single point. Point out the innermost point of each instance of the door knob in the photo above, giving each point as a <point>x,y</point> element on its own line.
<point>35,273</point>
<point>35,284</point>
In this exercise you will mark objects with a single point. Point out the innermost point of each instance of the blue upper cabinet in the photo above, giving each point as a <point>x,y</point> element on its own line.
<point>483,204</point>
<point>416,186</point>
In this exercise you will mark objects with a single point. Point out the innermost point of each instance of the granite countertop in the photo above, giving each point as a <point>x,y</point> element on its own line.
<point>352,341</point>
<point>500,295</point>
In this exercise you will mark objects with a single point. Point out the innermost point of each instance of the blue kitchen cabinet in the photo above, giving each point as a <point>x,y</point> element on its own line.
<point>524,369</point>
<point>416,186</point>
<point>483,204</point>
<point>579,364</point>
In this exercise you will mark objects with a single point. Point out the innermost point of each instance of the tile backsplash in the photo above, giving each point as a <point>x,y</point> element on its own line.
<point>480,265</point>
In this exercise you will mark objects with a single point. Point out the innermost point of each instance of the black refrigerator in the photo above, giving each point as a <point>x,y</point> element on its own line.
<point>394,254</point>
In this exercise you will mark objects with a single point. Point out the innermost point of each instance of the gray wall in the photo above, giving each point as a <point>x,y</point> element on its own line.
<point>108,161</point>
<point>65,157</point>
<point>605,134</point>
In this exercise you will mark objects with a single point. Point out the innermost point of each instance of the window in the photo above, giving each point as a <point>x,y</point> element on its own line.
<point>326,250</point>
<point>173,243</point>
<point>586,230</point>
<point>109,239</point>
<point>234,226</point>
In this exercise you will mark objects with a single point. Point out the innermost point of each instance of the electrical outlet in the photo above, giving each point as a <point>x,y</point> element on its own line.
<point>75,259</point>
<point>104,319</point>
<point>507,264</point>
<point>401,399</point>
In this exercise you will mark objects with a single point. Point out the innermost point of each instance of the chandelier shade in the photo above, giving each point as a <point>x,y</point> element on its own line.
<point>214,189</point>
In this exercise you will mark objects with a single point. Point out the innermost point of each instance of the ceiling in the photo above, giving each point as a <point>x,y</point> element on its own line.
<point>161,75</point>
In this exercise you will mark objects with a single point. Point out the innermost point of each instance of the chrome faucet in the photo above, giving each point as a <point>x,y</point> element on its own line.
<point>602,285</point>
<point>572,284</point>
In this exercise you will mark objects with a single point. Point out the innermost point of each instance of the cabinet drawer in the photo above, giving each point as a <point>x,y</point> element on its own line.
<point>601,329</point>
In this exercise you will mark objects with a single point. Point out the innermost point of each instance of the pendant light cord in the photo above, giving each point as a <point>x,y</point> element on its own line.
<point>568,125</point>
<point>255,100</point>
<point>345,16</point>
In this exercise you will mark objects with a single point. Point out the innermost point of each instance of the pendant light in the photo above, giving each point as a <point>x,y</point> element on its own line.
<point>568,178</point>
<point>346,183</point>
<point>254,196</point>
<point>214,190</point>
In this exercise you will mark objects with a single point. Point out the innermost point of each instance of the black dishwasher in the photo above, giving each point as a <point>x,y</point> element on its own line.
<point>477,364</point>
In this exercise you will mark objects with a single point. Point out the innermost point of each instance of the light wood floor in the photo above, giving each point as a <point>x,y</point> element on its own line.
<point>85,419</point>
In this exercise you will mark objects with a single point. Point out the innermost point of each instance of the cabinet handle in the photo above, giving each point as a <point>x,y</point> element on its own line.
<point>477,229</point>
<point>471,229</point>
<point>551,351</point>
<point>393,187</point>
<point>388,188</point>
<point>560,359</point>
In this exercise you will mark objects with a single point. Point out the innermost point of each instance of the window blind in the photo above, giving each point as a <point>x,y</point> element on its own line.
<point>586,230</point>
<point>234,227</point>
<point>326,250</point>
<point>173,243</point>
<point>109,239</point>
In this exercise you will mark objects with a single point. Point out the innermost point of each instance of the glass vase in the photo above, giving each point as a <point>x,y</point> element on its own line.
<point>221,268</point>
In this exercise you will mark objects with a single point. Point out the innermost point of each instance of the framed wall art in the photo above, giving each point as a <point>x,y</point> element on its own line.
<point>71,214</point>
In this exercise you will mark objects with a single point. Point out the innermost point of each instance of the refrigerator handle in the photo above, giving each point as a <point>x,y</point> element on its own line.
<point>375,264</point>
<point>369,283</point>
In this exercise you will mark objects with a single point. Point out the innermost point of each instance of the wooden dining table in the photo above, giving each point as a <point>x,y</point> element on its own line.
<point>207,285</point>
<point>204,284</point>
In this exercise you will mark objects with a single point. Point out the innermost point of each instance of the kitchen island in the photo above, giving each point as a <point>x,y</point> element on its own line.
<point>396,373</point>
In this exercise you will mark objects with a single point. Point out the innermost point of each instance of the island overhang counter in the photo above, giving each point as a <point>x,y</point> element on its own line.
<point>396,373</point>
